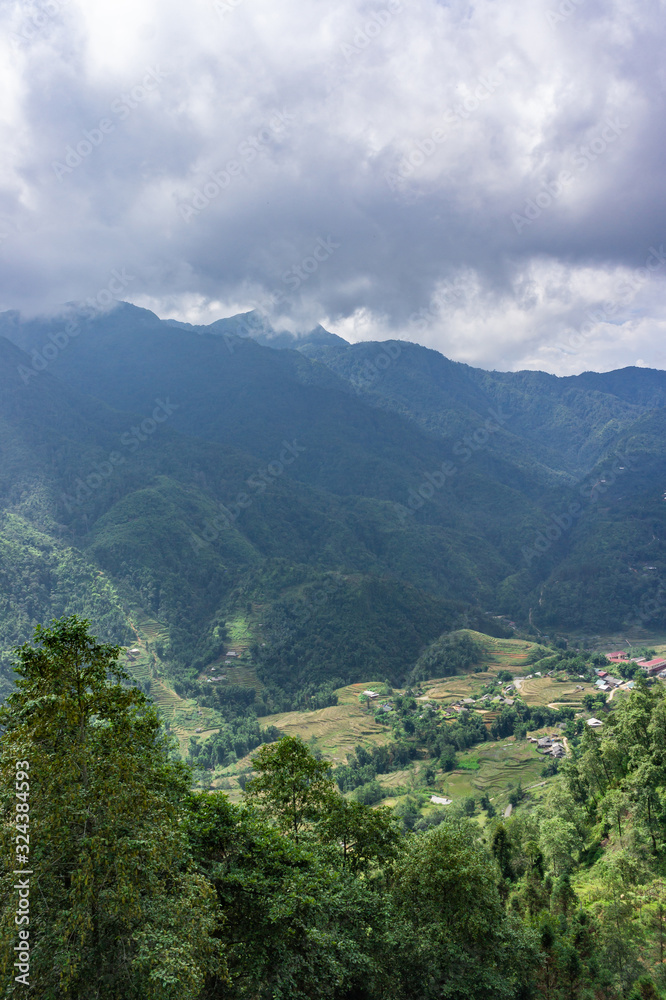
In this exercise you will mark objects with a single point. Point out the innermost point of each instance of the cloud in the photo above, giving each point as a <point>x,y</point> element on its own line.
<point>514,154</point>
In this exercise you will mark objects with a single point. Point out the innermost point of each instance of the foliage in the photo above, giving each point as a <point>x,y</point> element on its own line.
<point>448,655</point>
<point>114,904</point>
<point>290,785</point>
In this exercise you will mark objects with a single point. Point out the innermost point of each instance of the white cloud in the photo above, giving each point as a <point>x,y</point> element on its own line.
<point>361,87</point>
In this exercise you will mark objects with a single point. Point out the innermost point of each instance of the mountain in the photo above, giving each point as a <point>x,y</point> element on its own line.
<point>347,504</point>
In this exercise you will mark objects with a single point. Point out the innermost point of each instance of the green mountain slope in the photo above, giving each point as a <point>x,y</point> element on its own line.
<point>213,479</point>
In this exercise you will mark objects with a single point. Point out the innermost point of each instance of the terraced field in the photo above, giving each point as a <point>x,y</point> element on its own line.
<point>236,672</point>
<point>139,665</point>
<point>240,634</point>
<point>183,715</point>
<point>501,765</point>
<point>149,628</point>
<point>546,691</point>
<point>504,654</point>
<point>337,729</point>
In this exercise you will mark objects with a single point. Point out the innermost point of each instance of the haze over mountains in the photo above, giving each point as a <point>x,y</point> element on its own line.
<point>367,497</point>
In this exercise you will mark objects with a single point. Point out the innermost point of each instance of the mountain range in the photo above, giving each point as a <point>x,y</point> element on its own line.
<point>353,501</point>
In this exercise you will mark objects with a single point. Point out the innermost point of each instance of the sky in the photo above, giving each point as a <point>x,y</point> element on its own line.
<point>486,178</point>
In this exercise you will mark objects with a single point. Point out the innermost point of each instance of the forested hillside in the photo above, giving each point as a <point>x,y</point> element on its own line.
<point>350,504</point>
<point>140,888</point>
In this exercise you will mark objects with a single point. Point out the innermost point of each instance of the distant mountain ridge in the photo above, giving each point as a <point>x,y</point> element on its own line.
<point>202,469</point>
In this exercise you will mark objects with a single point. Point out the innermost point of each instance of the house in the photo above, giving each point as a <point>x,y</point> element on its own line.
<point>619,654</point>
<point>595,723</point>
<point>371,694</point>
<point>545,741</point>
<point>440,801</point>
<point>653,666</point>
<point>557,750</point>
<point>601,673</point>
<point>602,685</point>
<point>614,681</point>
<point>231,654</point>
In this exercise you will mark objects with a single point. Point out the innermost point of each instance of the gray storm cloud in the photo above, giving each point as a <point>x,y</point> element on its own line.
<point>486,179</point>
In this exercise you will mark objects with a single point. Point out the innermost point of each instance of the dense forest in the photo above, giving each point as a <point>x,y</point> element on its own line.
<point>139,888</point>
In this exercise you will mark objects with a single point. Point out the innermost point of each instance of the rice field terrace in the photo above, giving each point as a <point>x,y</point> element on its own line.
<point>336,729</point>
<point>240,634</point>
<point>148,628</point>
<point>548,691</point>
<point>505,654</point>
<point>493,768</point>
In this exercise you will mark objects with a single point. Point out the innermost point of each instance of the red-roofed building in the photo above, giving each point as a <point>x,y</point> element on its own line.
<point>653,666</point>
<point>618,655</point>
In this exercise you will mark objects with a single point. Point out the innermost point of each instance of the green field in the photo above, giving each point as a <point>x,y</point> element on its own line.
<point>240,634</point>
<point>500,766</point>
<point>337,729</point>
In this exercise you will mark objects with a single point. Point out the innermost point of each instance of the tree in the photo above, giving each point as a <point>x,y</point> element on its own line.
<point>560,842</point>
<point>290,785</point>
<point>297,925</point>
<point>455,938</point>
<point>115,906</point>
<point>364,835</point>
<point>501,849</point>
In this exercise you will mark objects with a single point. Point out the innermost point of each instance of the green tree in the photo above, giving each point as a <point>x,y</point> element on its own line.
<point>115,907</point>
<point>455,938</point>
<point>290,785</point>
<point>501,849</point>
<point>364,835</point>
<point>297,925</point>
